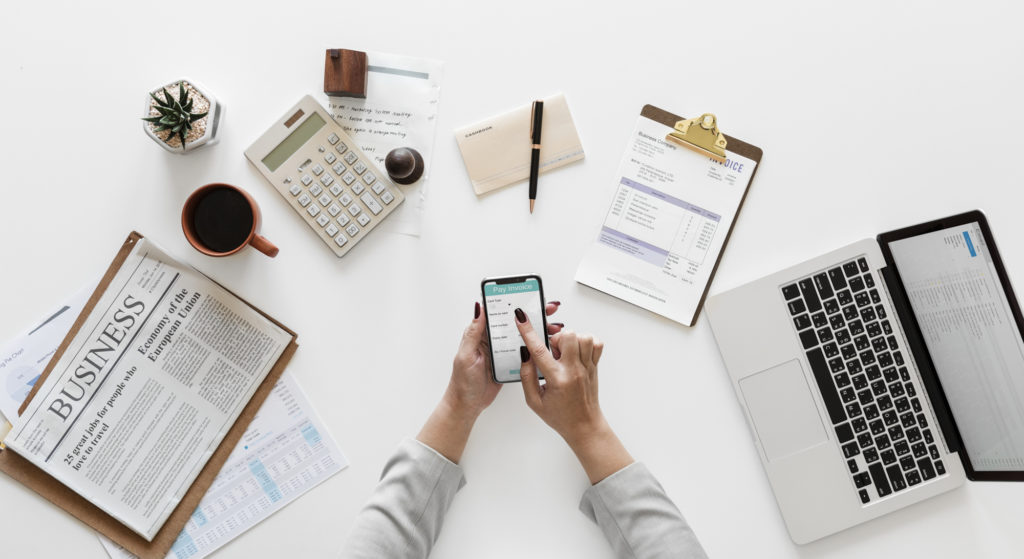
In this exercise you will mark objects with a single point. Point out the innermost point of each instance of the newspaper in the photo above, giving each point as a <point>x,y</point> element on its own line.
<point>147,389</point>
<point>286,451</point>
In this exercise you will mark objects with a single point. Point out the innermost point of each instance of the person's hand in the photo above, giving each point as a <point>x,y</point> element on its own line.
<point>568,401</point>
<point>471,388</point>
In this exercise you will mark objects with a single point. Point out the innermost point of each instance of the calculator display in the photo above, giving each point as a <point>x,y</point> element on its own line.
<point>293,142</point>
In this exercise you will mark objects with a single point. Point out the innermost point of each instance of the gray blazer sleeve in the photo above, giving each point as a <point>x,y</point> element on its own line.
<point>404,515</point>
<point>637,517</point>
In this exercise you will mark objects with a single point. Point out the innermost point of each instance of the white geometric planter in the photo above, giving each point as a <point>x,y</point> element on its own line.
<point>204,130</point>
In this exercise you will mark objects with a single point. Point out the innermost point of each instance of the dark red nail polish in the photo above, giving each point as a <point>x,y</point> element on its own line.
<point>524,354</point>
<point>555,303</point>
<point>559,324</point>
<point>476,311</point>
<point>521,316</point>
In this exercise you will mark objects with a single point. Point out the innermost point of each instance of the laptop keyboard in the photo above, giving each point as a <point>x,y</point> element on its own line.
<point>844,328</point>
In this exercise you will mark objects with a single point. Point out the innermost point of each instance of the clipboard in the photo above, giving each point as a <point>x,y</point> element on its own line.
<point>598,270</point>
<point>59,494</point>
<point>736,145</point>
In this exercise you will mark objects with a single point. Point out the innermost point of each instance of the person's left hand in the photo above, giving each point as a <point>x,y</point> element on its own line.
<point>472,387</point>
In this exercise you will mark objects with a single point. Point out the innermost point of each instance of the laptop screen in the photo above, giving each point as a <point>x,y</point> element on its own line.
<point>971,332</point>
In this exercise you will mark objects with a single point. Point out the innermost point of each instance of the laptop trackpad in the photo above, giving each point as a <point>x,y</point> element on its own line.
<point>785,416</point>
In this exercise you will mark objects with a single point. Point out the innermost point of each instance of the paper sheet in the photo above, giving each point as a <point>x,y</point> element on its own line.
<point>285,452</point>
<point>667,223</point>
<point>23,359</point>
<point>400,110</point>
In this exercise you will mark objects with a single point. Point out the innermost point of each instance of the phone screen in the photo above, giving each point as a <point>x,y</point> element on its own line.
<point>502,296</point>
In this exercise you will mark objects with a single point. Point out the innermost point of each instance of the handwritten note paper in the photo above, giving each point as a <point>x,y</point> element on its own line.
<point>400,110</point>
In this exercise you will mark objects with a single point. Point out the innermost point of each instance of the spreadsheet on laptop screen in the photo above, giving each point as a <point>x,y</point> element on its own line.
<point>972,337</point>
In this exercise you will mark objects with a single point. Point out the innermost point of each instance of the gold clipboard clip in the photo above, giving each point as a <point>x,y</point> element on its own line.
<point>701,135</point>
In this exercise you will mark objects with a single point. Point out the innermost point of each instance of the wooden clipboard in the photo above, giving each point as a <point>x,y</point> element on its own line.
<point>736,146</point>
<point>59,494</point>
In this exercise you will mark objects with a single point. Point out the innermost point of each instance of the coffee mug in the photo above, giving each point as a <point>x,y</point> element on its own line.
<point>220,219</point>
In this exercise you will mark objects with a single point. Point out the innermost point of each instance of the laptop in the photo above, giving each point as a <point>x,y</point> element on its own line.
<point>880,374</point>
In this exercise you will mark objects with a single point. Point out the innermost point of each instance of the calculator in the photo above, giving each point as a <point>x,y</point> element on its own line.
<point>324,176</point>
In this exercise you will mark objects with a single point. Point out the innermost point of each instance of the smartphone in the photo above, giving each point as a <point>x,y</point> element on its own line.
<point>502,296</point>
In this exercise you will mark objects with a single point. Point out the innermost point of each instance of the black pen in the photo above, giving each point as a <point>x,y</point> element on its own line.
<point>537,116</point>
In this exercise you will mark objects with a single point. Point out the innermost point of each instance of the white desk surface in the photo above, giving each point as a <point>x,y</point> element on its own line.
<point>872,115</point>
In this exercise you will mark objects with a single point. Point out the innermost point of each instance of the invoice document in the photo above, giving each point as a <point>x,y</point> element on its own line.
<point>670,214</point>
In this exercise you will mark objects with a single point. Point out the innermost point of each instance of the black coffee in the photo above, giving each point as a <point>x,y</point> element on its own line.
<point>223,220</point>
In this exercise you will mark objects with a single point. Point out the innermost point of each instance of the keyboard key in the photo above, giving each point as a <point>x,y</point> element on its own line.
<point>359,167</point>
<point>306,179</point>
<point>313,210</point>
<point>939,468</point>
<point>341,239</point>
<point>907,421</point>
<point>810,295</point>
<point>354,209</point>
<point>928,438</point>
<point>332,230</point>
<point>865,398</point>
<point>844,297</point>
<point>886,327</point>
<point>317,169</point>
<point>330,158</point>
<point>831,350</point>
<point>322,220</point>
<point>831,306</point>
<point>882,442</point>
<point>802,321</point>
<point>853,409</point>
<point>879,344</point>
<point>851,449</point>
<point>336,190</point>
<point>874,373</point>
<point>852,465</point>
<point>875,297</point>
<point>933,452</point>
<point>349,178</point>
<point>880,479</point>
<point>856,284</point>
<point>837,277</point>
<point>304,200</point>
<point>862,480</point>
<point>837,321</point>
<point>339,168</point>
<point>334,210</point>
<point>859,425</point>
<point>888,457</point>
<point>836,365</point>
<point>881,311</point>
<point>850,312</point>
<point>902,405</point>
<point>898,357</point>
<point>864,497</point>
<point>823,286</point>
<point>341,147</point>
<point>844,432</point>
<point>790,291</point>
<point>363,219</point>
<point>877,427</point>
<point>927,470</point>
<point>869,280</point>
<point>863,264</point>
<point>295,190</point>
<point>847,395</point>
<point>824,334</point>
<point>828,390</point>
<point>324,200</point>
<point>903,449</point>
<point>379,187</point>
<point>343,220</point>
<point>819,320</point>
<point>868,315</point>
<point>351,157</point>
<point>850,268</point>
<point>352,230</point>
<point>387,197</point>
<point>870,455</point>
<point>865,440</point>
<point>913,478</point>
<point>796,307</point>
<point>862,300</point>
<point>358,188</point>
<point>919,449</point>
<point>871,412</point>
<point>860,382</point>
<point>332,139</point>
<point>896,478</point>
<point>345,199</point>
<point>843,336</point>
<point>808,338</point>
<point>326,180</point>
<point>368,178</point>
<point>896,432</point>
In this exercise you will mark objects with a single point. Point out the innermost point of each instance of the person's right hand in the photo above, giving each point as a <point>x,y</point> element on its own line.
<point>568,401</point>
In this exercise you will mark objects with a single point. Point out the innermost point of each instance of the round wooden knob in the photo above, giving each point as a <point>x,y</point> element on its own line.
<point>404,165</point>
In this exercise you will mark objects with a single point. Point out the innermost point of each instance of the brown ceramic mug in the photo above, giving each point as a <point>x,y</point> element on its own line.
<point>220,219</point>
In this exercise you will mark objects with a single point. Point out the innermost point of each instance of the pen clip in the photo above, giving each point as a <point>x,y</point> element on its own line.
<point>533,111</point>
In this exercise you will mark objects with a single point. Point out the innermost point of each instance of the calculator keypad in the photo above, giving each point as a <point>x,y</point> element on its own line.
<point>334,186</point>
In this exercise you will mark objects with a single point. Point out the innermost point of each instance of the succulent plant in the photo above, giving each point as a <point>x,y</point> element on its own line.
<point>176,116</point>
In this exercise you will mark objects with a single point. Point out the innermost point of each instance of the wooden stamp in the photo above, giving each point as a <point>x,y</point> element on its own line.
<point>345,73</point>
